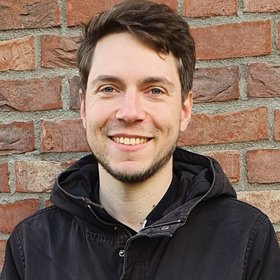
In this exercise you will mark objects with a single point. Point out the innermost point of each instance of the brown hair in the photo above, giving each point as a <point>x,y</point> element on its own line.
<point>154,24</point>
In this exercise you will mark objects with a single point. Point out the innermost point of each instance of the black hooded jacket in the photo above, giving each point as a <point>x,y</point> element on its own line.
<point>198,231</point>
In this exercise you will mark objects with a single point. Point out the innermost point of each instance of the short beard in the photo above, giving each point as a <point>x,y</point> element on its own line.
<point>142,176</point>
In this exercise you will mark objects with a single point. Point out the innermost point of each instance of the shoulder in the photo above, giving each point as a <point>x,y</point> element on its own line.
<point>231,204</point>
<point>250,215</point>
<point>43,222</point>
<point>245,225</point>
<point>234,213</point>
<point>51,213</point>
<point>244,207</point>
<point>38,230</point>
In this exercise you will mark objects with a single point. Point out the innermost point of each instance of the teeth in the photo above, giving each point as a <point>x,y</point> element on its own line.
<point>130,141</point>
<point>126,141</point>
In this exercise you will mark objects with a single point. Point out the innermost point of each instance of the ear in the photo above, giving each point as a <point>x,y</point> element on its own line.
<point>83,107</point>
<point>186,111</point>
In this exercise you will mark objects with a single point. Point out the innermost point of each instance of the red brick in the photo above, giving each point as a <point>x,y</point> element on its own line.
<point>13,213</point>
<point>278,25</point>
<point>16,137</point>
<point>241,126</point>
<point>17,54</point>
<point>216,84</point>
<point>30,95</point>
<point>63,136</point>
<point>266,201</point>
<point>171,3</point>
<point>233,40</point>
<point>263,80</point>
<point>80,12</point>
<point>29,14</point>
<point>48,203</point>
<point>4,175</point>
<point>230,162</point>
<point>202,8</point>
<point>277,125</point>
<point>58,51</point>
<point>2,252</point>
<point>75,86</point>
<point>37,176</point>
<point>263,166</point>
<point>261,6</point>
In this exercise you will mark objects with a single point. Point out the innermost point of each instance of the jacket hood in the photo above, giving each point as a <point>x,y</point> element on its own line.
<point>75,189</point>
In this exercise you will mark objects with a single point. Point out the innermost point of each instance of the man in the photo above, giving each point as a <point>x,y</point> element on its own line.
<point>140,208</point>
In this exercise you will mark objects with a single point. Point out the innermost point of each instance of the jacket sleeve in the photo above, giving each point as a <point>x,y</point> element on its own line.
<point>12,268</point>
<point>263,254</point>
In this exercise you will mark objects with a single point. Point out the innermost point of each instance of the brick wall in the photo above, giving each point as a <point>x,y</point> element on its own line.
<point>237,96</point>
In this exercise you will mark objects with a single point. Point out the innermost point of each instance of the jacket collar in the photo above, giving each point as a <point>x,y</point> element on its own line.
<point>75,190</point>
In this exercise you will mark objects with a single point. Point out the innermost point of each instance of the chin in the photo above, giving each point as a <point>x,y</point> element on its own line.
<point>129,175</point>
<point>131,178</point>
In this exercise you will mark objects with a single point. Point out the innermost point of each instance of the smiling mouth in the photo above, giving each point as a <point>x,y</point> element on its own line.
<point>130,140</point>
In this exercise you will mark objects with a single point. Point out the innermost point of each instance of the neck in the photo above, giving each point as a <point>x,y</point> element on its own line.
<point>131,203</point>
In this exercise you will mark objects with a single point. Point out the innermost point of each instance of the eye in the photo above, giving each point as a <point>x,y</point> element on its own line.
<point>107,89</point>
<point>156,91</point>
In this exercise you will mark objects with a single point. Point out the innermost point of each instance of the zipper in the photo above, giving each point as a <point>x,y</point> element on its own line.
<point>163,224</point>
<point>130,236</point>
<point>108,224</point>
<point>89,202</point>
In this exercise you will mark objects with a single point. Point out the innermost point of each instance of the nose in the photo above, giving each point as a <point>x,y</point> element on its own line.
<point>130,108</point>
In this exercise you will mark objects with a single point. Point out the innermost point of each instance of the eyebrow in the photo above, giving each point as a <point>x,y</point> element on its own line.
<point>106,78</point>
<point>148,80</point>
<point>155,80</point>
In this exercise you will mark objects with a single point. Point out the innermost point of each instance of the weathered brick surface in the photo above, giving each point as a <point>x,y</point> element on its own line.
<point>30,95</point>
<point>4,175</point>
<point>263,80</point>
<point>263,166</point>
<point>75,86</point>
<point>230,162</point>
<point>233,40</point>
<point>216,84</point>
<point>2,252</point>
<point>266,201</point>
<point>48,203</point>
<point>260,6</point>
<point>277,125</point>
<point>16,137</point>
<point>37,176</point>
<point>29,14</point>
<point>58,51</point>
<point>80,12</point>
<point>17,54</point>
<point>13,213</point>
<point>63,136</point>
<point>278,25</point>
<point>241,126</point>
<point>202,8</point>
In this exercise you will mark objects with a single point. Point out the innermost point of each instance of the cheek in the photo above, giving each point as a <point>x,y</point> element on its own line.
<point>168,121</point>
<point>97,115</point>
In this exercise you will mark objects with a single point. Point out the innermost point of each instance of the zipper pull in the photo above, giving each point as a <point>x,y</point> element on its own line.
<point>89,202</point>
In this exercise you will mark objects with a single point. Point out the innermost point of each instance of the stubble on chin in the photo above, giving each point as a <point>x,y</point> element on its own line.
<point>139,176</point>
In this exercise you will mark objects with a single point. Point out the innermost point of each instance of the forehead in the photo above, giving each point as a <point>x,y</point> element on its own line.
<point>123,53</point>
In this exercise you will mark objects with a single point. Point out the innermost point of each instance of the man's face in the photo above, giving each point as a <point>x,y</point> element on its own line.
<point>132,109</point>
